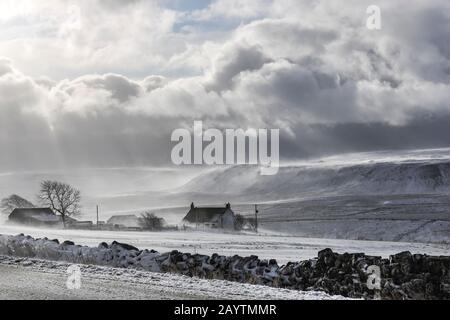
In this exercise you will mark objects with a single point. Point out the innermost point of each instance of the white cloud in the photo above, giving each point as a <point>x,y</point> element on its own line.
<point>127,75</point>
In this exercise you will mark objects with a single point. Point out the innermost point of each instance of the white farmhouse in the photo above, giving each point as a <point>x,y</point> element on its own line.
<point>211,217</point>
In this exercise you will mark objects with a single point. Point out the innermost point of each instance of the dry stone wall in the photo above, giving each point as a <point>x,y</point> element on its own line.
<point>402,276</point>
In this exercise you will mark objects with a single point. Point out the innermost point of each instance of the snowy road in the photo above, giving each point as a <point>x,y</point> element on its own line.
<point>266,246</point>
<point>38,279</point>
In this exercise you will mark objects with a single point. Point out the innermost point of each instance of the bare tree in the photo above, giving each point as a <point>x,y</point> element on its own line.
<point>61,198</point>
<point>149,221</point>
<point>14,201</point>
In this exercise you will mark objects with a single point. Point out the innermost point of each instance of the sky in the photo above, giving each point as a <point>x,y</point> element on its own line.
<point>103,83</point>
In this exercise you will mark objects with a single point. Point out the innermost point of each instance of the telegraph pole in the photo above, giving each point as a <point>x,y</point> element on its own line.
<point>97,217</point>
<point>256,218</point>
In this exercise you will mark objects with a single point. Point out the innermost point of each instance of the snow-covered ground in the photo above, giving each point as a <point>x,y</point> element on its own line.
<point>266,246</point>
<point>39,279</point>
<point>408,218</point>
<point>399,198</point>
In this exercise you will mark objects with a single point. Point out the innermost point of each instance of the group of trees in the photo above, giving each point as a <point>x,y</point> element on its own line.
<point>149,221</point>
<point>65,200</point>
<point>14,201</point>
<point>61,197</point>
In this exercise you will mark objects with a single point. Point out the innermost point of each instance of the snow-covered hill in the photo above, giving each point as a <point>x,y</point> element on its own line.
<point>372,173</point>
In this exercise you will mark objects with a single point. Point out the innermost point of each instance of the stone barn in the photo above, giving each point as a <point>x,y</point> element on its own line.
<point>35,217</point>
<point>125,221</point>
<point>211,217</point>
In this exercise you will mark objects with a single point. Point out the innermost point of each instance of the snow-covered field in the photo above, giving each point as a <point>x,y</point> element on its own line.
<point>39,279</point>
<point>407,218</point>
<point>266,246</point>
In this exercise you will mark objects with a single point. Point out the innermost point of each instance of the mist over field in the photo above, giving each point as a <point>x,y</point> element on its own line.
<point>389,195</point>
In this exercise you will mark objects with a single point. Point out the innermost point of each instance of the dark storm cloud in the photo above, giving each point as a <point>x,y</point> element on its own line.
<point>320,140</point>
